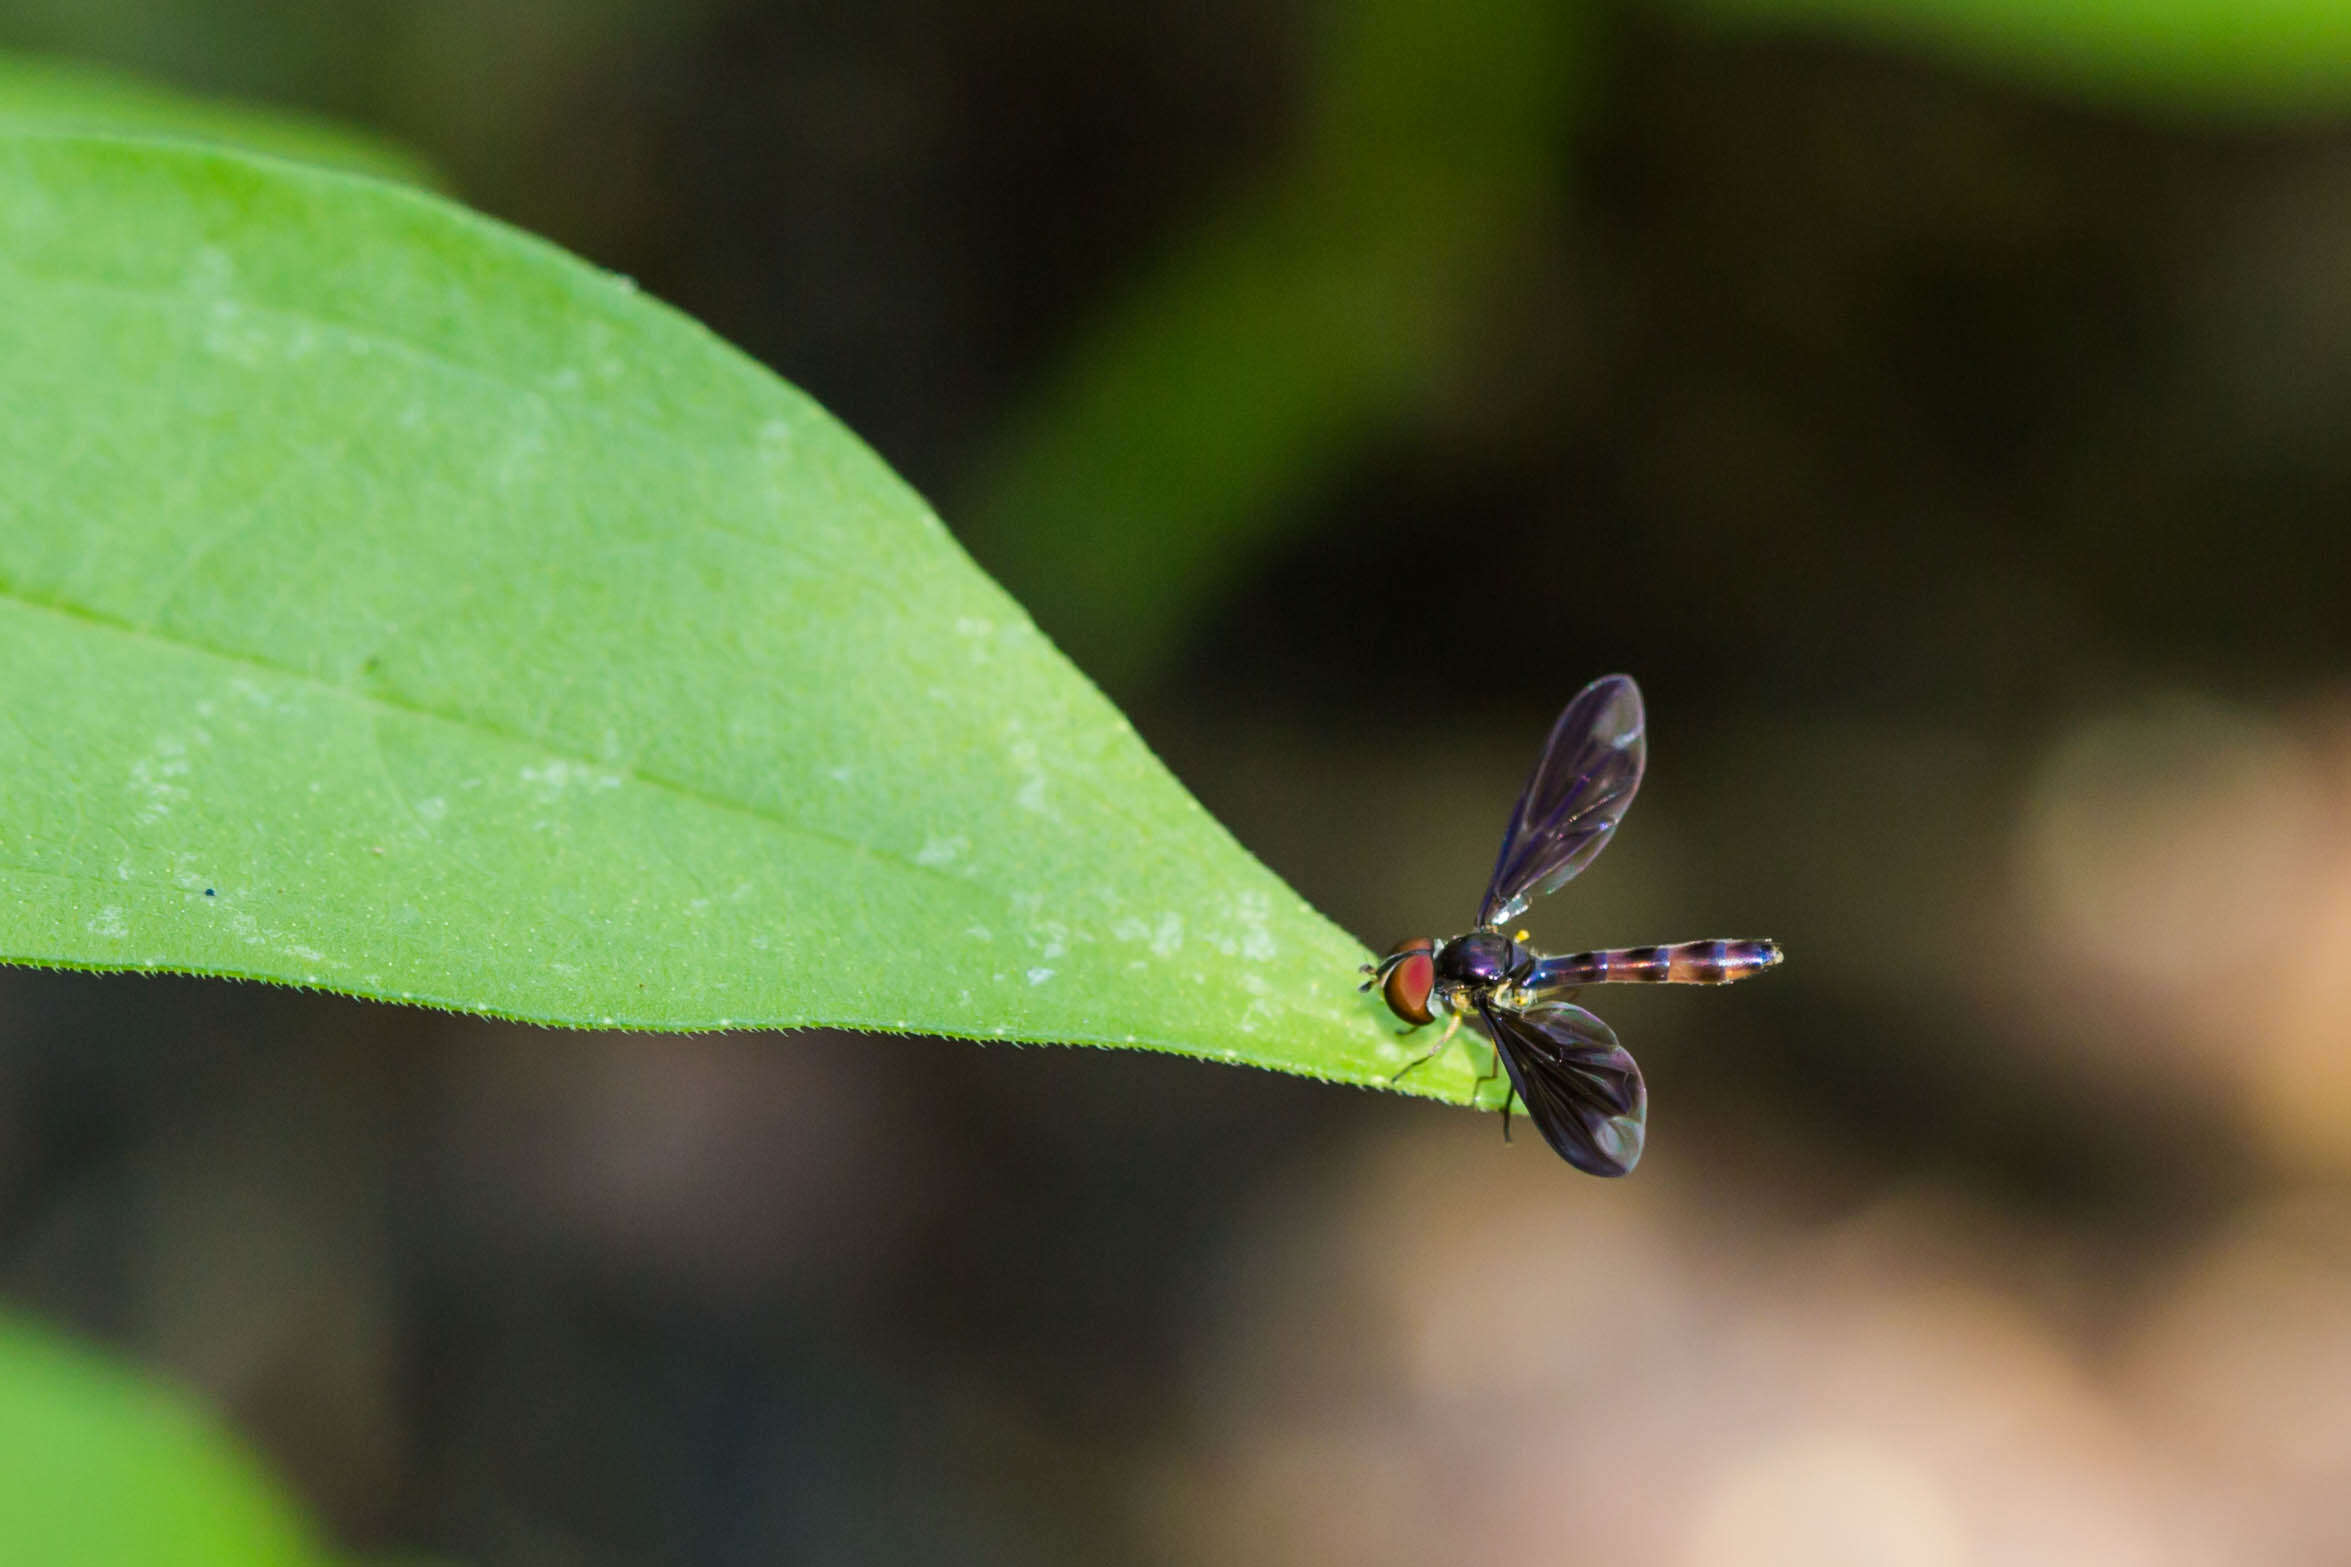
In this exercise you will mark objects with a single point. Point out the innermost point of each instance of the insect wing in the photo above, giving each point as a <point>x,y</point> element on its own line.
<point>1578,793</point>
<point>1582,1089</point>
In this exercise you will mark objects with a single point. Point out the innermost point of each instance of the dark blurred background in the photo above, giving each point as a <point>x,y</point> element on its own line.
<point>1956,455</point>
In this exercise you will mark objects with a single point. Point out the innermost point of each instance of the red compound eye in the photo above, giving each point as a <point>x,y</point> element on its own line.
<point>1412,974</point>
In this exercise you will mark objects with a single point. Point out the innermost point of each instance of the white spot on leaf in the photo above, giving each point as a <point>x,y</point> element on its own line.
<point>941,851</point>
<point>1254,913</point>
<point>559,775</point>
<point>155,779</point>
<point>1030,796</point>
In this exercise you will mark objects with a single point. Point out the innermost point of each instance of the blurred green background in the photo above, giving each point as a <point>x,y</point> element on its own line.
<point>1941,408</point>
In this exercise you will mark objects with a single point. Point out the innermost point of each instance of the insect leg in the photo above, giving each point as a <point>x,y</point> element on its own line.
<point>1491,1073</point>
<point>1409,1065</point>
<point>1435,1050</point>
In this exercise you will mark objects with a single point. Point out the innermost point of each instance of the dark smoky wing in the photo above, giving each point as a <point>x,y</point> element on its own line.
<point>1582,1089</point>
<point>1578,793</point>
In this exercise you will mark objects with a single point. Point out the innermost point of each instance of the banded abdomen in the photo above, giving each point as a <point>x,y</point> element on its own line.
<point>1684,963</point>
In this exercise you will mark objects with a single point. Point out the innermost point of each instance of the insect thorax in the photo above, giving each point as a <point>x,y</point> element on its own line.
<point>1482,961</point>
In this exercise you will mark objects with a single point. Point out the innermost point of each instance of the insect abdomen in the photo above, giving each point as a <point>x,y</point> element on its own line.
<point>1685,963</point>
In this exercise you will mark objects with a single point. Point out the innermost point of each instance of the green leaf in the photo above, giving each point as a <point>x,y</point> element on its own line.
<point>100,1467</point>
<point>392,604</point>
<point>39,94</point>
<point>2229,59</point>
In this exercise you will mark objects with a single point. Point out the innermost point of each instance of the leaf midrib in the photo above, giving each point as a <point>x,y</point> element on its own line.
<point>83,615</point>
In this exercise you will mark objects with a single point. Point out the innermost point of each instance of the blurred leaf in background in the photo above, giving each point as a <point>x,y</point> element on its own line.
<point>100,1467</point>
<point>2244,60</point>
<point>57,95</point>
<point>483,91</point>
<point>1191,425</point>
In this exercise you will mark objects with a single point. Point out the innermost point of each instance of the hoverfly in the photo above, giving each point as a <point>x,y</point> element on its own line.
<point>1579,1085</point>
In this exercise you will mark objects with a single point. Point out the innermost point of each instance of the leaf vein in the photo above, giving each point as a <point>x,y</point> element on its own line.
<point>83,615</point>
